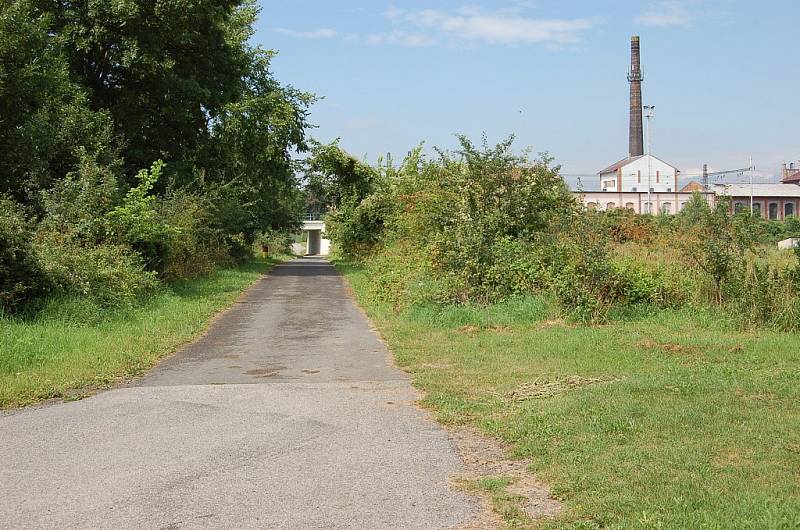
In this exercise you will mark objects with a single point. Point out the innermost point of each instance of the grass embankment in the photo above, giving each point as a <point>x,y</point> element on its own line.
<point>53,355</point>
<point>668,420</point>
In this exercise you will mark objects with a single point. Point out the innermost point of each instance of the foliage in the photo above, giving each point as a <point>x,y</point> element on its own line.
<point>484,225</point>
<point>336,179</point>
<point>110,276</point>
<point>136,222</point>
<point>47,125</point>
<point>712,243</point>
<point>21,276</point>
<point>91,93</point>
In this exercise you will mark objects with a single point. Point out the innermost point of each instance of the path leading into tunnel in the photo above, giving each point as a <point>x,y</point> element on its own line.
<point>286,414</point>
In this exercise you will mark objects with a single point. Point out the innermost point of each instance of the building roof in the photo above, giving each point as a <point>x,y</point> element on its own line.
<point>792,177</point>
<point>625,161</point>
<point>692,187</point>
<point>759,190</point>
<point>622,163</point>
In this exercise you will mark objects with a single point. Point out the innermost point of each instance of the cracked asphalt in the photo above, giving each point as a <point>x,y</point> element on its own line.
<point>286,414</point>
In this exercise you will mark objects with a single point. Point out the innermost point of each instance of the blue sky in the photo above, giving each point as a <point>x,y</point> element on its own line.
<point>724,75</point>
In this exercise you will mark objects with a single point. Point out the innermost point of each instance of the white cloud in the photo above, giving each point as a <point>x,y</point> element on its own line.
<point>502,27</point>
<point>664,14</point>
<point>322,33</point>
<point>402,38</point>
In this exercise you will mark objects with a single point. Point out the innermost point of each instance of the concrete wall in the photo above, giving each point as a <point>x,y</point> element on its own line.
<point>670,203</point>
<point>316,244</point>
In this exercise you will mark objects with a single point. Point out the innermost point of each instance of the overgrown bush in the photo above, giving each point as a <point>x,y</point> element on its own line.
<point>137,223</point>
<point>22,280</point>
<point>191,246</point>
<point>111,276</point>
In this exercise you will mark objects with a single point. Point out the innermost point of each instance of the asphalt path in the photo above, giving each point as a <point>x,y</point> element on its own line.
<point>287,413</point>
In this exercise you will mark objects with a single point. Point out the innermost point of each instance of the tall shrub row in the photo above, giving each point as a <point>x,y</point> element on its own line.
<point>482,224</point>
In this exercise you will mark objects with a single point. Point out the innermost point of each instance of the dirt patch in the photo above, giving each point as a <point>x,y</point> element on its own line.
<point>553,323</point>
<point>487,458</point>
<point>550,387</point>
<point>470,328</point>
<point>666,347</point>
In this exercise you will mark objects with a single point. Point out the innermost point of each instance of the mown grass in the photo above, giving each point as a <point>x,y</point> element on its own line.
<point>69,350</point>
<point>694,424</point>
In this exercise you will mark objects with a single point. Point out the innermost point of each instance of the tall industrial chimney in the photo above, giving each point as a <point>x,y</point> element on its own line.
<point>636,133</point>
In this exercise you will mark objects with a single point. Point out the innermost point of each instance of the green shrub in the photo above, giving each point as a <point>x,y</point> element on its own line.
<point>136,222</point>
<point>21,277</point>
<point>357,227</point>
<point>191,247</point>
<point>111,276</point>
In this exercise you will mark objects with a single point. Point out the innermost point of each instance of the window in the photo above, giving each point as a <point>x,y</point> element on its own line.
<point>630,206</point>
<point>773,211</point>
<point>658,177</point>
<point>633,188</point>
<point>666,208</point>
<point>757,209</point>
<point>648,207</point>
<point>639,177</point>
<point>788,210</point>
<point>738,207</point>
<point>610,206</point>
<point>683,205</point>
<point>591,205</point>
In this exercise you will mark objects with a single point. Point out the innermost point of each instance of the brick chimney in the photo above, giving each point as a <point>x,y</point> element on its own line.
<point>636,130</point>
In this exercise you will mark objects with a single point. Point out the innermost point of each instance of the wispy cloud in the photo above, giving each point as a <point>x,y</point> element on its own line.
<point>665,14</point>
<point>476,25</point>
<point>321,33</point>
<point>402,38</point>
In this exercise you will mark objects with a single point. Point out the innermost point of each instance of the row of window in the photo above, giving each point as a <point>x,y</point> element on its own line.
<point>738,207</point>
<point>666,207</point>
<point>772,209</point>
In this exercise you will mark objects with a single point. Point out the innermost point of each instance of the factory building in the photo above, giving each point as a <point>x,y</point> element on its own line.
<point>640,182</point>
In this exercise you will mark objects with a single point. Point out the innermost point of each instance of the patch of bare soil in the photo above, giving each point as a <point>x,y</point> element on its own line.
<point>553,323</point>
<point>666,347</point>
<point>484,457</point>
<point>550,387</point>
<point>487,329</point>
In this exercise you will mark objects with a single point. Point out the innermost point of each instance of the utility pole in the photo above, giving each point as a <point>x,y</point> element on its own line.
<point>649,113</point>
<point>750,171</point>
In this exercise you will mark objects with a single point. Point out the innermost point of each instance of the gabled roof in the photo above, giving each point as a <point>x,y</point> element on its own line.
<point>692,187</point>
<point>625,161</point>
<point>622,163</point>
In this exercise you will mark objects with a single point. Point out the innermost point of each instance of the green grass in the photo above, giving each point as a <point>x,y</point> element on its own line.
<point>692,424</point>
<point>58,355</point>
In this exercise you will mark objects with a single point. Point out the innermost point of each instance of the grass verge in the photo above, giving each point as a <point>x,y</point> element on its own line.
<point>57,355</point>
<point>669,419</point>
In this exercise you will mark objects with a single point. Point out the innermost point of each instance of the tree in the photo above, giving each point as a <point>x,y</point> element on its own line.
<point>46,125</point>
<point>161,68</point>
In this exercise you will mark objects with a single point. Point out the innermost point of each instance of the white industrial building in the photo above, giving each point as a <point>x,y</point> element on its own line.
<point>638,174</point>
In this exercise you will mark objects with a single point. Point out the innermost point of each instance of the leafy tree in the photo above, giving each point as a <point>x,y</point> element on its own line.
<point>250,155</point>
<point>46,126</point>
<point>335,177</point>
<point>162,68</point>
